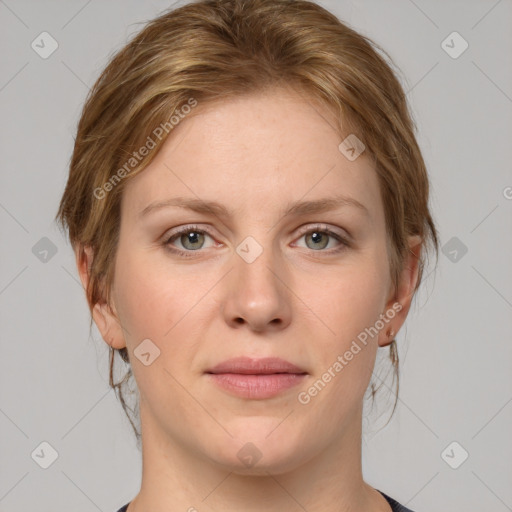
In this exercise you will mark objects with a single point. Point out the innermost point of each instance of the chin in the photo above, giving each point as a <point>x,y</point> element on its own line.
<point>259,448</point>
<point>266,462</point>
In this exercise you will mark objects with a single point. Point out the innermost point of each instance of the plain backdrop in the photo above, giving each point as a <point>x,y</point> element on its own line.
<point>448,446</point>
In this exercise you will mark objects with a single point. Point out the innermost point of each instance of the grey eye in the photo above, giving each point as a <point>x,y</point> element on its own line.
<point>319,238</point>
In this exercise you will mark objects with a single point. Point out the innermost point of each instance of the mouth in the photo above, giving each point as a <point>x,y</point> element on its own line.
<point>256,378</point>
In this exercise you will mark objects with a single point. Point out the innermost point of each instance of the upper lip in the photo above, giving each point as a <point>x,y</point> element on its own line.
<point>249,366</point>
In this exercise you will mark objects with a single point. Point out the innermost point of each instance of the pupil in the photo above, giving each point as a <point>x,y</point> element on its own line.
<point>318,239</point>
<point>191,238</point>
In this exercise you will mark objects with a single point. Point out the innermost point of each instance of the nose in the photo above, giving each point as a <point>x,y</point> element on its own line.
<point>256,294</point>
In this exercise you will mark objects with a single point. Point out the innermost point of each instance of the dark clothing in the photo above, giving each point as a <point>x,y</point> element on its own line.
<point>395,506</point>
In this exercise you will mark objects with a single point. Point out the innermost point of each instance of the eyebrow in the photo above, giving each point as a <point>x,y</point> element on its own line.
<point>294,208</point>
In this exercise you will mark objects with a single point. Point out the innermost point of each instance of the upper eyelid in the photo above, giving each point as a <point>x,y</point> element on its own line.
<point>320,226</point>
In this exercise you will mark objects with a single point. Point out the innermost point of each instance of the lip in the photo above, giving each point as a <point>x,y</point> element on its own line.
<point>249,366</point>
<point>256,378</point>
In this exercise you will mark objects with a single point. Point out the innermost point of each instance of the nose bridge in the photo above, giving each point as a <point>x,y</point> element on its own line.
<point>258,264</point>
<point>257,293</point>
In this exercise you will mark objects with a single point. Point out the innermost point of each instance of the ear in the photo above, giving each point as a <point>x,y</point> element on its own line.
<point>400,299</point>
<point>104,316</point>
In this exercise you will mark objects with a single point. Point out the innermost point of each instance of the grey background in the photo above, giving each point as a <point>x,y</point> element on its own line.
<point>456,350</point>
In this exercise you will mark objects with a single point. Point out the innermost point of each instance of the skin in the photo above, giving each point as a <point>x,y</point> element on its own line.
<point>298,300</point>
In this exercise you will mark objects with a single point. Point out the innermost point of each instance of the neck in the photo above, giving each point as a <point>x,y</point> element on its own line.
<point>175,477</point>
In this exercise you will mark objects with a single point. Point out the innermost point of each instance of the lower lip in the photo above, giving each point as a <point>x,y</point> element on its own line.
<point>256,386</point>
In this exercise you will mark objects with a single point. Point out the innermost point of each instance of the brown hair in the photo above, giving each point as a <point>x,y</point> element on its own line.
<point>216,49</point>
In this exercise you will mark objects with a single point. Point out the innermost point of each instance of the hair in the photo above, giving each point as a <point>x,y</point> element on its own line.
<point>211,50</point>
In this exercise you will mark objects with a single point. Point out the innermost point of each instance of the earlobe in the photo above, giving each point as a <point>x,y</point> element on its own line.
<point>100,319</point>
<point>108,325</point>
<point>390,334</point>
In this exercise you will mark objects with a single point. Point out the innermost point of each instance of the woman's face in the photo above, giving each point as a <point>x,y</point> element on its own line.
<point>255,277</point>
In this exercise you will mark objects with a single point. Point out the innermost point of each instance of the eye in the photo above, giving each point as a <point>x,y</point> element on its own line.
<point>318,238</point>
<point>191,239</point>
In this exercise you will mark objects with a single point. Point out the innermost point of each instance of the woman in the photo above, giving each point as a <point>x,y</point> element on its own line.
<point>248,206</point>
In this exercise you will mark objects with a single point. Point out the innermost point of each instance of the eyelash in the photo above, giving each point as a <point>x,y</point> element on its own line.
<point>188,229</point>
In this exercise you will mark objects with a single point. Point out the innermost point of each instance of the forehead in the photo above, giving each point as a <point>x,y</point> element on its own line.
<point>252,152</point>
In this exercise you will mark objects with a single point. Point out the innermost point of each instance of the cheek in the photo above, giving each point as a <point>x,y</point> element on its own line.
<point>148,299</point>
<point>350,304</point>
<point>351,299</point>
<point>154,304</point>
<point>159,301</point>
